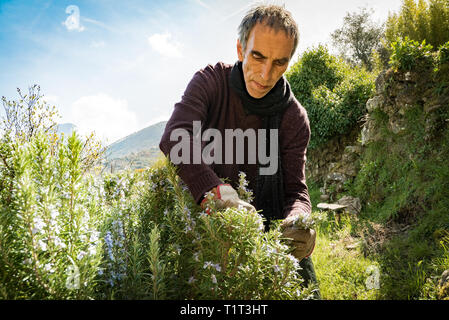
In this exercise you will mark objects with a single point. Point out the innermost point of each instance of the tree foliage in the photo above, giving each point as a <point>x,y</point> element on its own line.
<point>26,116</point>
<point>333,92</point>
<point>358,37</point>
<point>419,21</point>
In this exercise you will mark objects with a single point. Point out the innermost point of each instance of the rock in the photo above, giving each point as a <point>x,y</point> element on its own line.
<point>350,155</point>
<point>334,183</point>
<point>331,166</point>
<point>410,77</point>
<point>365,135</point>
<point>352,204</point>
<point>374,103</point>
<point>435,103</point>
<point>330,206</point>
<point>335,176</point>
<point>444,278</point>
<point>353,149</point>
<point>380,82</point>
<point>396,125</point>
<point>349,170</point>
<point>403,109</point>
<point>369,132</point>
<point>352,246</point>
<point>444,286</point>
<point>324,197</point>
<point>390,109</point>
<point>407,95</point>
<point>336,209</point>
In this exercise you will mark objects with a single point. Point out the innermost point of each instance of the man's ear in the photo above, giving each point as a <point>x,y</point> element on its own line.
<point>239,50</point>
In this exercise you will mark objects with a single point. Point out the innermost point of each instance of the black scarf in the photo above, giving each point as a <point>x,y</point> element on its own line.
<point>269,193</point>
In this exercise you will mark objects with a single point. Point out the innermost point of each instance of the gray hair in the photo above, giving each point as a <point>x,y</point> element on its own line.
<point>273,16</point>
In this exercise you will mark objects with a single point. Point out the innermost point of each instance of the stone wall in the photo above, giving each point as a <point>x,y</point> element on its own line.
<point>338,160</point>
<point>335,162</point>
<point>396,92</point>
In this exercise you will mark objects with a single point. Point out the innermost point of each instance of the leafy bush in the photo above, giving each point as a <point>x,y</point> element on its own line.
<point>333,92</point>
<point>408,54</point>
<point>65,234</point>
<point>225,255</point>
<point>49,218</point>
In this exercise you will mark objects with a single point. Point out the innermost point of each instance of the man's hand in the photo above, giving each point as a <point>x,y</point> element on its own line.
<point>226,197</point>
<point>302,239</point>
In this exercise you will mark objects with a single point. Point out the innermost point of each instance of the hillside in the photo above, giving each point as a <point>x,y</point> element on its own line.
<point>139,141</point>
<point>140,160</point>
<point>136,151</point>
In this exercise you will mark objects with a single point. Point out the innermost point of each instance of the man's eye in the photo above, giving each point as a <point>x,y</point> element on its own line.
<point>280,63</point>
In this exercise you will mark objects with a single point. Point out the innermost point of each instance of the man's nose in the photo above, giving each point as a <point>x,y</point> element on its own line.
<point>266,71</point>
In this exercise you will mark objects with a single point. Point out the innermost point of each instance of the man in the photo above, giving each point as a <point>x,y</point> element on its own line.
<point>251,95</point>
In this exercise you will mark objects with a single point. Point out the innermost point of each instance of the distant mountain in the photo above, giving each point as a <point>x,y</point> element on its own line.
<point>145,139</point>
<point>66,128</point>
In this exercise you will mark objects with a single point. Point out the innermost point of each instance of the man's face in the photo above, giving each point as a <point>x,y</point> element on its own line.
<point>264,59</point>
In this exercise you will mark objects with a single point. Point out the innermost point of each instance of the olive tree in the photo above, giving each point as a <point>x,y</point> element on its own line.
<point>358,37</point>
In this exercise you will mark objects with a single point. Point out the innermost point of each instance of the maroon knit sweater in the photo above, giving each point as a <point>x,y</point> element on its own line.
<point>209,99</point>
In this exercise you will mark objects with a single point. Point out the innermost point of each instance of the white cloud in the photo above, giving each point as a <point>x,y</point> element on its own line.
<point>163,44</point>
<point>110,118</point>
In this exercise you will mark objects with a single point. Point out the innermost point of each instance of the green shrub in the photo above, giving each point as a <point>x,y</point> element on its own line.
<point>333,92</point>
<point>408,54</point>
<point>224,255</point>
<point>49,241</point>
<point>65,234</point>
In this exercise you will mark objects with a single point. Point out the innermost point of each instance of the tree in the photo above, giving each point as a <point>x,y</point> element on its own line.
<point>358,37</point>
<point>438,22</point>
<point>424,20</point>
<point>25,117</point>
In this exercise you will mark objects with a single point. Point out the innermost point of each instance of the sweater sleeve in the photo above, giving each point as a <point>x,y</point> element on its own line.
<point>295,137</point>
<point>194,106</point>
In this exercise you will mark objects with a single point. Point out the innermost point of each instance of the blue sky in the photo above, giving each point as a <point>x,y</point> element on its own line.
<point>115,67</point>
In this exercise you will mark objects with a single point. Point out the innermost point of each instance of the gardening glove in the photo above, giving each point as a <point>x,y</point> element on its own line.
<point>303,240</point>
<point>226,197</point>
